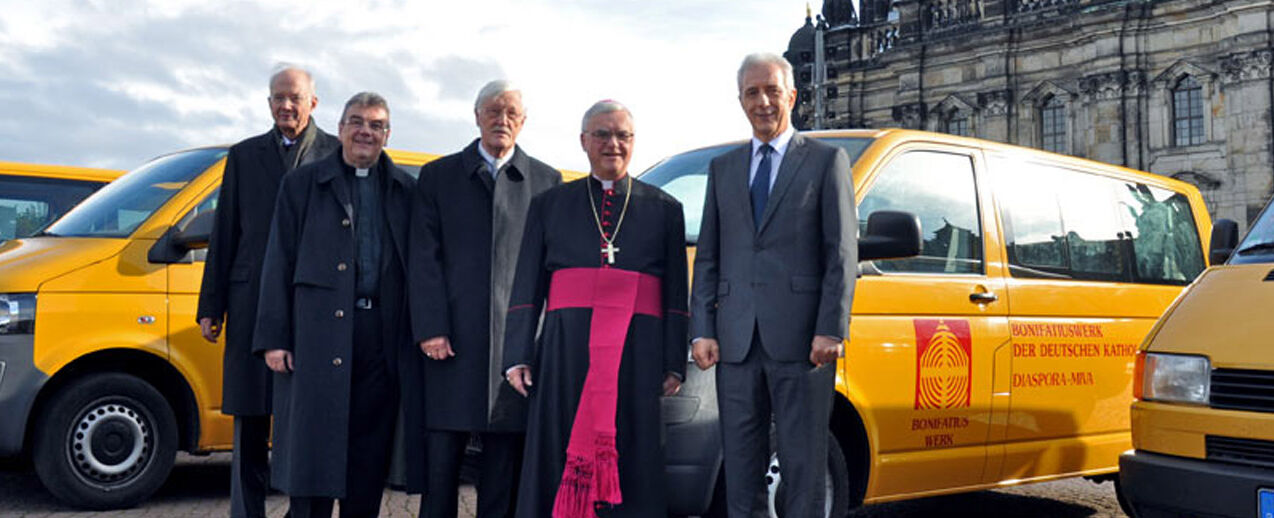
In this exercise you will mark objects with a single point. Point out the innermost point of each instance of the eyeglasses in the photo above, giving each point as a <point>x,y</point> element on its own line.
<point>622,136</point>
<point>374,126</point>
<point>495,113</point>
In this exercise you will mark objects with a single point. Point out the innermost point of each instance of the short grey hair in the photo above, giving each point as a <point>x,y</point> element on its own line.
<point>494,89</point>
<point>283,68</point>
<point>600,107</point>
<point>366,100</point>
<point>767,58</point>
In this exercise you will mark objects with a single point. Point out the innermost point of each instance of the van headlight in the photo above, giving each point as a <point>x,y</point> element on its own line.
<point>17,313</point>
<point>1175,378</point>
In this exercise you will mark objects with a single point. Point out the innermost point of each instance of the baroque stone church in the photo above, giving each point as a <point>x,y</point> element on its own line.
<point>1181,88</point>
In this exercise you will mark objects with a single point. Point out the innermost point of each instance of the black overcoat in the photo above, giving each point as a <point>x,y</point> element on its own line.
<point>307,296</point>
<point>232,270</point>
<point>465,233</point>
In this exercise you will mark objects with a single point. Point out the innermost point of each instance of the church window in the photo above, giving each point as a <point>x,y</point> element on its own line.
<point>957,123</point>
<point>1187,112</point>
<point>1053,125</point>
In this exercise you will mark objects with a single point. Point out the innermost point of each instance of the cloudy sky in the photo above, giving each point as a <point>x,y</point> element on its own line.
<point>112,83</point>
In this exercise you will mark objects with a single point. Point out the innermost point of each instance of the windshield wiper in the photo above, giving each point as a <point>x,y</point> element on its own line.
<point>44,233</point>
<point>1267,245</point>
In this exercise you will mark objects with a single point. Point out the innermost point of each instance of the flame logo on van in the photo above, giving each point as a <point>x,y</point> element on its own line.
<point>944,364</point>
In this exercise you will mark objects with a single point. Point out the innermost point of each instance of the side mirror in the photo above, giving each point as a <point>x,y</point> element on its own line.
<point>891,234</point>
<point>1225,236</point>
<point>197,233</point>
<point>173,246</point>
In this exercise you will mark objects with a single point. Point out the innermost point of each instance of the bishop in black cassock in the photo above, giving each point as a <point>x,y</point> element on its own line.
<point>605,259</point>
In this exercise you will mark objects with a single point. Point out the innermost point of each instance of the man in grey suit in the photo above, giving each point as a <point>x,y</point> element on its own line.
<point>773,284</point>
<point>232,272</point>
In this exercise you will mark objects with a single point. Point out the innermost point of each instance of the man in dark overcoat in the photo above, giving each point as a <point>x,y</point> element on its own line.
<point>232,272</point>
<point>333,316</point>
<point>466,228</point>
<point>773,285</point>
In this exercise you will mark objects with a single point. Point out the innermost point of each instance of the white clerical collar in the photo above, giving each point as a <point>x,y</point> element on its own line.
<point>779,143</point>
<point>494,163</point>
<point>361,172</point>
<point>607,184</point>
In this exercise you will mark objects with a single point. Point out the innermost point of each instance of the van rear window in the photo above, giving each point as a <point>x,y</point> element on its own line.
<point>28,203</point>
<point>1068,224</point>
<point>685,176</point>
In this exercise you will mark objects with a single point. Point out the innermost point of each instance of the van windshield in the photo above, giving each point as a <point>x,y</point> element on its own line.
<point>1258,245</point>
<point>120,207</point>
<point>685,176</point>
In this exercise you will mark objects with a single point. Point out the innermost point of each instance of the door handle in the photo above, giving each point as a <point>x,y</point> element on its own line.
<point>983,297</point>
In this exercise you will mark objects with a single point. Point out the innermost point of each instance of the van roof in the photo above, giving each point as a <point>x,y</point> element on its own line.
<point>59,171</point>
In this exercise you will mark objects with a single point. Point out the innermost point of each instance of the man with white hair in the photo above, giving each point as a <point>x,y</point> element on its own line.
<point>773,285</point>
<point>605,258</point>
<point>467,223</point>
<point>232,272</point>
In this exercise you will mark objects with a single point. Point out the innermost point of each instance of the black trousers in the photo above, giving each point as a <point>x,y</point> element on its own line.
<point>497,479</point>
<point>797,398</point>
<point>250,466</point>
<point>372,415</point>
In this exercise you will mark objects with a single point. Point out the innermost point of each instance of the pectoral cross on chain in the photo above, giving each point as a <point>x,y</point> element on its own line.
<point>610,250</point>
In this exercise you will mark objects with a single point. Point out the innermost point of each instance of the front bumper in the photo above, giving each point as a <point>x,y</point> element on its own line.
<point>1158,485</point>
<point>20,382</point>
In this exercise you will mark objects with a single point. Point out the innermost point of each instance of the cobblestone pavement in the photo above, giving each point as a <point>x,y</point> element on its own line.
<point>198,487</point>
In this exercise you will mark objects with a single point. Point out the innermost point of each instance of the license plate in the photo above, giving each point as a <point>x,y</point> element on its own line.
<point>1265,503</point>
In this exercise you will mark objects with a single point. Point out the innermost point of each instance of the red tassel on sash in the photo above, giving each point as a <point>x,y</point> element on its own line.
<point>591,476</point>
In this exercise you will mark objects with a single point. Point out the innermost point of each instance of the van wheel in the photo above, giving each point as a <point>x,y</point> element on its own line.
<point>107,441</point>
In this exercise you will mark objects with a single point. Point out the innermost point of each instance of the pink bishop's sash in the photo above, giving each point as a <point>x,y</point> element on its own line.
<point>591,476</point>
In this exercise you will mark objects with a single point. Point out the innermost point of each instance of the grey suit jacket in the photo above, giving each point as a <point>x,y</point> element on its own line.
<point>793,277</point>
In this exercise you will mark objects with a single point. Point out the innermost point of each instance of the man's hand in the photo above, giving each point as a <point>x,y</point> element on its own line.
<point>826,349</point>
<point>672,384</point>
<point>520,379</point>
<point>279,360</point>
<point>706,352</point>
<point>438,348</point>
<point>210,328</point>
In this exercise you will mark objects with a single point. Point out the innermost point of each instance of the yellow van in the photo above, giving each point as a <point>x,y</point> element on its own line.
<point>1203,421</point>
<point>103,373</point>
<point>32,195</point>
<point>1003,352</point>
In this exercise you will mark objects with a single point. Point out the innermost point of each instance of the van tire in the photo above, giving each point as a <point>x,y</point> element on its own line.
<point>837,475</point>
<point>107,441</point>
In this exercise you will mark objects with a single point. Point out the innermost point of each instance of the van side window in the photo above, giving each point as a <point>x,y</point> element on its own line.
<point>208,203</point>
<point>1068,224</point>
<point>938,187</point>
<point>1165,240</point>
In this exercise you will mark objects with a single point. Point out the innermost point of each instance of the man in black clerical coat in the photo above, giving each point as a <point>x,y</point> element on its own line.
<point>232,272</point>
<point>605,259</point>
<point>333,318</point>
<point>467,222</point>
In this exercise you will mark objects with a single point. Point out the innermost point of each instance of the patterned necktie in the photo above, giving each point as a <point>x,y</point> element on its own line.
<point>761,186</point>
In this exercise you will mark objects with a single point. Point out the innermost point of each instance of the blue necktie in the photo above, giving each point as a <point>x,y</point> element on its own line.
<point>761,186</point>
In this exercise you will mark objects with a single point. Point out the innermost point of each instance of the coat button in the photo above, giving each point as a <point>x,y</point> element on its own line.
<point>336,362</point>
<point>340,313</point>
<point>345,222</point>
<point>341,267</point>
